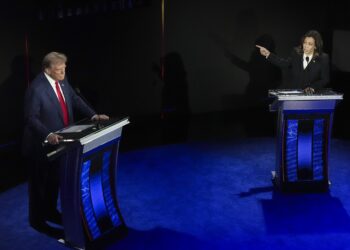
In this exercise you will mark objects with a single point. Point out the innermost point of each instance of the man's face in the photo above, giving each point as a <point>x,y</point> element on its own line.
<point>57,71</point>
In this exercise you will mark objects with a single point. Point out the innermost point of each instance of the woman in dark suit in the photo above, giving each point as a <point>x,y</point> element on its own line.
<point>308,63</point>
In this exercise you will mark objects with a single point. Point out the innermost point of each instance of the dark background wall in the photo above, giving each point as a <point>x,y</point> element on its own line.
<point>202,31</point>
<point>114,47</point>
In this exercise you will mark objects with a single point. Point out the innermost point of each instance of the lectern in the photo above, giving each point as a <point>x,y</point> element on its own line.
<point>88,157</point>
<point>303,138</point>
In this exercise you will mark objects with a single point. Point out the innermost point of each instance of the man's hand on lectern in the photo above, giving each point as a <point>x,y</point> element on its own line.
<point>309,91</point>
<point>101,117</point>
<point>54,139</point>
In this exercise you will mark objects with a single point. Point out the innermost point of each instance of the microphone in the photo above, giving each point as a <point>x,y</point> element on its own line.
<point>77,90</point>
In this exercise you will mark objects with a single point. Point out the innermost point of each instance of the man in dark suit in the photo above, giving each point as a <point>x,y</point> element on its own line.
<point>308,63</point>
<point>50,103</point>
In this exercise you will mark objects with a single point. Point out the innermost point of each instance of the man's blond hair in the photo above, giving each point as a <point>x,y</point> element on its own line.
<point>53,58</point>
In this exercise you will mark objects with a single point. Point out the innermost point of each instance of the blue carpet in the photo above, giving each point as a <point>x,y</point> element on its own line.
<point>208,195</point>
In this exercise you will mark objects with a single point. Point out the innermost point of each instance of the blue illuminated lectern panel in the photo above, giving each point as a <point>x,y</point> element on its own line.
<point>88,183</point>
<point>303,137</point>
<point>305,150</point>
<point>97,185</point>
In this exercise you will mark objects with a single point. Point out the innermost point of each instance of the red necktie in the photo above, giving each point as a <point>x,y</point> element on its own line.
<point>62,104</point>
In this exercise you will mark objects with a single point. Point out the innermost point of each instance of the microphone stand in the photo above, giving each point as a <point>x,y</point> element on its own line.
<point>77,90</point>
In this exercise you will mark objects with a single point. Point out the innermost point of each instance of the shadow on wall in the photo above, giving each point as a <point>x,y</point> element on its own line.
<point>262,76</point>
<point>11,102</point>
<point>175,110</point>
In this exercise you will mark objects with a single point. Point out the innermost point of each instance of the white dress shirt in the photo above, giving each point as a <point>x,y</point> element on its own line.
<point>53,85</point>
<point>306,62</point>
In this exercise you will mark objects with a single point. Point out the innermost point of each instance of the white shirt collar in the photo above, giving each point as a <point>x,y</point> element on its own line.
<point>305,63</point>
<point>310,57</point>
<point>53,84</point>
<point>50,79</point>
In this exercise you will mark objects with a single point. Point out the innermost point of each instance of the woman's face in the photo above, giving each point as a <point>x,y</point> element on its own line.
<point>309,45</point>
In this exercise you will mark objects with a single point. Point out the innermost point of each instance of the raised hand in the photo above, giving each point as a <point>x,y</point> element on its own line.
<point>263,51</point>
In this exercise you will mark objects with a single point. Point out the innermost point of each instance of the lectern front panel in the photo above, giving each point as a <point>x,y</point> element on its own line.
<point>305,150</point>
<point>88,182</point>
<point>97,186</point>
<point>303,138</point>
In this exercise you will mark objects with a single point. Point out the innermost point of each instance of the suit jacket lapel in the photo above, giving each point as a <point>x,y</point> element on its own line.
<point>53,98</point>
<point>301,63</point>
<point>67,98</point>
<point>311,63</point>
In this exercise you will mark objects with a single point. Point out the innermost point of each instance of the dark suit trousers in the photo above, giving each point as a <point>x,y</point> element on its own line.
<point>43,185</point>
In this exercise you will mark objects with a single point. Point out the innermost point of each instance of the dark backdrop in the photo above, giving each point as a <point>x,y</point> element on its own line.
<point>114,50</point>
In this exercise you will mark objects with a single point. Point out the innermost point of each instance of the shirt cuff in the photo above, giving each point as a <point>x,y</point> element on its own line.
<point>48,135</point>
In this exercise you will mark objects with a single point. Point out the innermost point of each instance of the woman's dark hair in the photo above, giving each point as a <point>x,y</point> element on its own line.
<point>318,42</point>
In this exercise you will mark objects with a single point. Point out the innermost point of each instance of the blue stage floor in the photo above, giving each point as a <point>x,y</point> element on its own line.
<point>208,194</point>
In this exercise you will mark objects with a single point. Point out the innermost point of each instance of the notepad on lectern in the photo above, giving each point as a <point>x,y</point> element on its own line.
<point>76,128</point>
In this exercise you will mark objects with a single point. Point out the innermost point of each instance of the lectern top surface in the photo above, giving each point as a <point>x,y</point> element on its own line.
<point>83,132</point>
<point>299,94</point>
<point>86,128</point>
